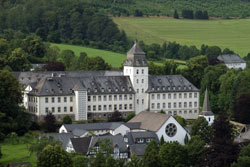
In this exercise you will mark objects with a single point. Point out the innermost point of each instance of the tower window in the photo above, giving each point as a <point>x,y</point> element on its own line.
<point>142,71</point>
<point>137,71</point>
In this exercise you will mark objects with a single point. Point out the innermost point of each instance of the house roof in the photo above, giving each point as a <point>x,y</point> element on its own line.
<point>206,109</point>
<point>78,132</point>
<point>150,121</point>
<point>81,145</point>
<point>132,136</point>
<point>93,126</point>
<point>169,83</point>
<point>138,149</point>
<point>62,137</point>
<point>133,125</point>
<point>115,140</point>
<point>231,58</point>
<point>136,57</point>
<point>59,86</point>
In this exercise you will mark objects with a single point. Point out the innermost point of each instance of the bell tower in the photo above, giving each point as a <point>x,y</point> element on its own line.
<point>136,67</point>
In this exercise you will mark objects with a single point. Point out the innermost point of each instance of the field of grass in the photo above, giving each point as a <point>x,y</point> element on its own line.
<point>233,34</point>
<point>115,59</point>
<point>16,153</point>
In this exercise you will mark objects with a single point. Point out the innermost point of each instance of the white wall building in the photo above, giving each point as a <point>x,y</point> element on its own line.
<point>97,94</point>
<point>232,61</point>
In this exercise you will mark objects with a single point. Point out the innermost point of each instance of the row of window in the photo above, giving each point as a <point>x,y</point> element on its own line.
<point>137,71</point>
<point>59,99</point>
<point>109,97</point>
<point>181,112</point>
<point>32,109</point>
<point>173,95</point>
<point>110,107</point>
<point>32,99</point>
<point>163,105</point>
<point>59,109</point>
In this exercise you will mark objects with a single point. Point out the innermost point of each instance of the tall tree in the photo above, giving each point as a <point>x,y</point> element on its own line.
<point>49,122</point>
<point>241,109</point>
<point>150,156</point>
<point>201,128</point>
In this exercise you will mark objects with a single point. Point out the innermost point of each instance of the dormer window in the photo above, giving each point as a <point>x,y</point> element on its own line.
<point>158,88</point>
<point>190,87</point>
<point>159,80</point>
<point>130,89</point>
<point>109,89</point>
<point>137,71</point>
<point>185,88</point>
<point>153,88</point>
<point>168,87</point>
<point>140,140</point>
<point>92,83</point>
<point>173,87</point>
<point>179,87</point>
<point>102,89</point>
<point>116,89</point>
<point>95,89</point>
<point>123,89</point>
<point>88,90</point>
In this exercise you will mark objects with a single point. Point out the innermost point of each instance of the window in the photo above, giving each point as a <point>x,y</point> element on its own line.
<point>94,108</point>
<point>190,104</point>
<point>71,99</point>
<point>137,71</point>
<point>175,96</point>
<point>65,99</point>
<point>158,96</point>
<point>140,140</point>
<point>99,107</point>
<point>104,107</point>
<point>110,107</point>
<point>142,71</point>
<point>53,109</point>
<point>195,111</point>
<point>148,140</point>
<point>142,81</point>
<point>65,109</point>
<point>180,112</point>
<point>115,107</point>
<point>195,104</point>
<point>180,95</point>
<point>174,105</point>
<point>158,105</point>
<point>175,112</point>
<point>52,99</point>
<point>179,104</point>
<point>120,107</point>
<point>171,130</point>
<point>71,109</point>
<point>169,105</point>
<point>59,99</point>
<point>185,95</point>
<point>195,95</point>
<point>46,109</point>
<point>125,106</point>
<point>94,98</point>
<point>142,90</point>
<point>125,97</point>
<point>115,97</point>
<point>99,98</point>
<point>153,96</point>
<point>142,101</point>
<point>59,109</point>
<point>130,106</point>
<point>137,81</point>
<point>153,105</point>
<point>110,97</point>
<point>163,105</point>
<point>120,97</point>
<point>130,97</point>
<point>46,99</point>
<point>164,96</point>
<point>190,111</point>
<point>169,96</point>
<point>190,95</point>
<point>185,104</point>
<point>137,101</point>
<point>137,91</point>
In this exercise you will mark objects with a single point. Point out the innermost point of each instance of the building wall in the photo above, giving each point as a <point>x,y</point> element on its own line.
<point>184,104</point>
<point>236,65</point>
<point>179,136</point>
<point>121,130</point>
<point>81,105</point>
<point>139,79</point>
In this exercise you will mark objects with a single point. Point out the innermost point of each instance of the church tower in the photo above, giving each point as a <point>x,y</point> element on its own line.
<point>206,110</point>
<point>136,67</point>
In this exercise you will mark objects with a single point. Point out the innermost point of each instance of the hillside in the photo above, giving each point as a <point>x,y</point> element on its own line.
<point>115,59</point>
<point>233,34</point>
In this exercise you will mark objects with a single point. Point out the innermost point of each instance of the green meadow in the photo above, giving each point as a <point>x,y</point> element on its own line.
<point>115,59</point>
<point>225,33</point>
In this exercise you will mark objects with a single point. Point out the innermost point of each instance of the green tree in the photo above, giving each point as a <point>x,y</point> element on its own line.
<point>241,109</point>
<point>80,161</point>
<point>54,156</point>
<point>172,155</point>
<point>213,52</point>
<point>130,116</point>
<point>67,57</point>
<point>49,124</point>
<point>201,128</point>
<point>150,156</point>
<point>162,141</point>
<point>18,60</point>
<point>170,67</point>
<point>176,16</point>
<point>116,117</point>
<point>94,64</point>
<point>67,119</point>
<point>135,161</point>
<point>180,120</point>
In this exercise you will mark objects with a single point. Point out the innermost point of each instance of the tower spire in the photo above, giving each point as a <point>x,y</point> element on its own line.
<point>206,109</point>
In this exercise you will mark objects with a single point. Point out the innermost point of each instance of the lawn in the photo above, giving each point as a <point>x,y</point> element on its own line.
<point>115,59</point>
<point>16,153</point>
<point>233,34</point>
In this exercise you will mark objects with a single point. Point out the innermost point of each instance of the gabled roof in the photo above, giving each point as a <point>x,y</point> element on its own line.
<point>62,137</point>
<point>231,58</point>
<point>136,57</point>
<point>206,110</point>
<point>169,83</point>
<point>78,132</point>
<point>81,145</point>
<point>150,121</point>
<point>132,136</point>
<point>133,125</point>
<point>93,126</point>
<point>138,149</point>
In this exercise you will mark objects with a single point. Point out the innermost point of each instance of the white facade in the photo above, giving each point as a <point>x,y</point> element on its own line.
<point>209,118</point>
<point>236,65</point>
<point>180,133</point>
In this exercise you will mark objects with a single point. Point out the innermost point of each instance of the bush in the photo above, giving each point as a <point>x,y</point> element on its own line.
<point>67,120</point>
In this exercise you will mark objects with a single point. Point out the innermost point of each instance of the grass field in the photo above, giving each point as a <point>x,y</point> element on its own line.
<point>16,153</point>
<point>115,59</point>
<point>233,34</point>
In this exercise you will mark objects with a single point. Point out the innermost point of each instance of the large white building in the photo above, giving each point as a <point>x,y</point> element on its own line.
<point>97,94</point>
<point>232,61</point>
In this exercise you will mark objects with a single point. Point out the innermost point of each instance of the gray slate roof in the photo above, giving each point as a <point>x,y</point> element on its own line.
<point>169,83</point>
<point>138,149</point>
<point>136,57</point>
<point>115,140</point>
<point>60,86</point>
<point>81,145</point>
<point>231,58</point>
<point>30,77</point>
<point>78,132</point>
<point>133,125</point>
<point>132,136</point>
<point>93,126</point>
<point>206,110</point>
<point>62,137</point>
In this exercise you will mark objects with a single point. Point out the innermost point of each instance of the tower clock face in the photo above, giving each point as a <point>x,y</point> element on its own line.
<point>171,130</point>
